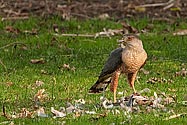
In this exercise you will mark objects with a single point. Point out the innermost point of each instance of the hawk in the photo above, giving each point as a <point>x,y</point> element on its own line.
<point>127,59</point>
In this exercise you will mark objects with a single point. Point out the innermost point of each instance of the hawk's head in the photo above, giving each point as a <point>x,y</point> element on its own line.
<point>130,41</point>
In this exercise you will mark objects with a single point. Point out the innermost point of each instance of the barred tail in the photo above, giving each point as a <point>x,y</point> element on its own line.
<point>98,87</point>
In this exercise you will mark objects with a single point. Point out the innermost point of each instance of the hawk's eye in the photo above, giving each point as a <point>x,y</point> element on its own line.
<point>129,38</point>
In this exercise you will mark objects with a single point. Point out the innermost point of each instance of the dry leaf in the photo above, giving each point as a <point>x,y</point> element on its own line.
<point>175,9</point>
<point>120,93</point>
<point>12,29</point>
<point>175,116</point>
<point>127,28</point>
<point>146,72</point>
<point>143,102</point>
<point>90,112</point>
<point>70,108</point>
<point>73,68</point>
<point>172,90</point>
<point>79,104</point>
<point>140,100</point>
<point>156,102</point>
<point>7,122</point>
<point>32,32</point>
<point>67,67</point>
<point>37,61</point>
<point>126,108</point>
<point>11,123</point>
<point>23,47</point>
<point>57,113</point>
<point>104,16</point>
<point>115,112</point>
<point>154,80</point>
<point>99,116</point>
<point>185,97</point>
<point>180,32</point>
<point>183,72</point>
<point>65,11</point>
<point>145,90</point>
<point>39,83</point>
<point>184,103</point>
<point>41,112</point>
<point>40,96</point>
<point>55,28</point>
<point>140,9</point>
<point>139,97</point>
<point>107,104</point>
<point>168,100</point>
<point>81,101</point>
<point>9,83</point>
<point>44,72</point>
<point>24,114</point>
<point>77,114</point>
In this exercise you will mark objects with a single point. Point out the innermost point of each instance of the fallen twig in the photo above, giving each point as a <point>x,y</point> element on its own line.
<point>11,44</point>
<point>4,66</point>
<point>157,4</point>
<point>106,33</point>
<point>4,112</point>
<point>175,116</point>
<point>168,6</point>
<point>81,35</point>
<point>180,32</point>
<point>81,15</point>
<point>163,19</point>
<point>14,18</point>
<point>53,87</point>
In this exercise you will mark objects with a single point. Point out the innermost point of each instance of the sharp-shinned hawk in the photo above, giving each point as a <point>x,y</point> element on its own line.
<point>127,59</point>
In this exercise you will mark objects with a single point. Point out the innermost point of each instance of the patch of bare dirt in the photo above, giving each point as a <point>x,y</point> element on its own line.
<point>117,9</point>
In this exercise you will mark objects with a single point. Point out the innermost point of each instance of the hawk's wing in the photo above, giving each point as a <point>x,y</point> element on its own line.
<point>112,64</point>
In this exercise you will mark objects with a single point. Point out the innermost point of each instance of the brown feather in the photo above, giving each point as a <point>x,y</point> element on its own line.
<point>114,82</point>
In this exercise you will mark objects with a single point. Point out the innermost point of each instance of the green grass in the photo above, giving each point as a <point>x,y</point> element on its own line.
<point>166,55</point>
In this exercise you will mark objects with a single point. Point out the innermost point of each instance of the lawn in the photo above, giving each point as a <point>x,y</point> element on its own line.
<point>66,67</point>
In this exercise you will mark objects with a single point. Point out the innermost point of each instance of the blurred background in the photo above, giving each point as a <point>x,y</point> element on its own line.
<point>116,9</point>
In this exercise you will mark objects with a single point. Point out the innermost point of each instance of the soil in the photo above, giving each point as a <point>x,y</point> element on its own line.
<point>87,9</point>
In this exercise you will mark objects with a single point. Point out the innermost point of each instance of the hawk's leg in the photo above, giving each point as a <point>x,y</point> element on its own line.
<point>114,83</point>
<point>131,80</point>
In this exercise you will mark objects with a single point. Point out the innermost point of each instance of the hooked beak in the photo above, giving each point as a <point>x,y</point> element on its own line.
<point>120,41</point>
